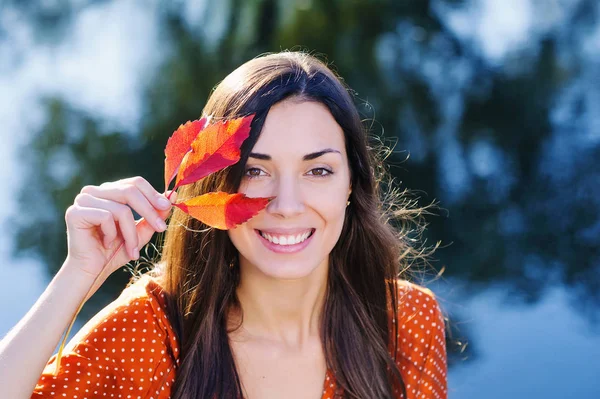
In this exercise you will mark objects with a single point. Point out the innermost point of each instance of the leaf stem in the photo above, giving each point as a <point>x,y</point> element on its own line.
<point>64,340</point>
<point>68,331</point>
<point>169,196</point>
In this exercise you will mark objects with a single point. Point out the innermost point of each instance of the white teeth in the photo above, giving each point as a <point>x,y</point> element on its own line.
<point>286,240</point>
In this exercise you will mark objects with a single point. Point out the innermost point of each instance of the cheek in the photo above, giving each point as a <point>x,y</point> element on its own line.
<point>239,237</point>
<point>331,206</point>
<point>334,217</point>
<point>331,199</point>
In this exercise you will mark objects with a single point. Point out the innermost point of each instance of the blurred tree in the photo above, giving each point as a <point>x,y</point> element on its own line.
<point>481,135</point>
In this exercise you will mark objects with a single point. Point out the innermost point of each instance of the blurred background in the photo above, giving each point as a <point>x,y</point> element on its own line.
<point>493,106</point>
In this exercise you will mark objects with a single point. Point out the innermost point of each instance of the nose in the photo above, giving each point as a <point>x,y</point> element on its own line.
<point>288,200</point>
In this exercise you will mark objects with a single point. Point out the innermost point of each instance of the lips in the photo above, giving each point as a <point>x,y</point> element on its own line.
<point>295,237</point>
<point>300,241</point>
<point>290,231</point>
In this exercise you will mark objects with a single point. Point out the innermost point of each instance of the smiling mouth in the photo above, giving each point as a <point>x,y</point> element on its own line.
<point>285,240</point>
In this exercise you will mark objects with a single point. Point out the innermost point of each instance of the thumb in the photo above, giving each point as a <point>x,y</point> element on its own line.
<point>145,231</point>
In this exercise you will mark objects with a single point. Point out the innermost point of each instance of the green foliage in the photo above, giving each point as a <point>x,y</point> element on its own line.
<point>385,50</point>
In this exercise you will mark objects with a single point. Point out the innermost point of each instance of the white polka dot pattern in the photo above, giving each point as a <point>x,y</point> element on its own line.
<point>421,343</point>
<point>128,350</point>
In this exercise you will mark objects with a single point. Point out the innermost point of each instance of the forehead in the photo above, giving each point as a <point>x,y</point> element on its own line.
<point>299,127</point>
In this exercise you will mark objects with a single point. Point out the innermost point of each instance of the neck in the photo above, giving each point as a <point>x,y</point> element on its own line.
<point>288,311</point>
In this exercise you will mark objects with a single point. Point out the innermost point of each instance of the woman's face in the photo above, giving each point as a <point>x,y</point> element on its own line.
<point>300,158</point>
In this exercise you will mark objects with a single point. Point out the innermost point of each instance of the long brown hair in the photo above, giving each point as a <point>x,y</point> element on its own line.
<point>201,272</point>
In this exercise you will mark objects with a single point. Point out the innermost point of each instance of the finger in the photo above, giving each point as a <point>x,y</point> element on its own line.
<point>146,231</point>
<point>130,194</point>
<point>157,199</point>
<point>153,196</point>
<point>172,195</point>
<point>121,213</point>
<point>78,217</point>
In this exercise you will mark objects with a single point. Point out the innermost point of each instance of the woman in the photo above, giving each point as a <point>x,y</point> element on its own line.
<point>301,301</point>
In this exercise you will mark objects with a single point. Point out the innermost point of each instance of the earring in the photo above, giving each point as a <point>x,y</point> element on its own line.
<point>347,203</point>
<point>232,263</point>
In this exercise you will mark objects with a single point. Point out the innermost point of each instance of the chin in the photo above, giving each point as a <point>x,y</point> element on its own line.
<point>282,270</point>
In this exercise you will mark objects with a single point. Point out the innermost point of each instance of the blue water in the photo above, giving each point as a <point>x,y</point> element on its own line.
<point>545,350</point>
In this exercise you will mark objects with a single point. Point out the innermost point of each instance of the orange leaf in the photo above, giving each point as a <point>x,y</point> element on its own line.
<point>178,145</point>
<point>222,210</point>
<point>214,148</point>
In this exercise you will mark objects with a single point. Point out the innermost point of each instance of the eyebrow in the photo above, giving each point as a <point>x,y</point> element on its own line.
<point>307,157</point>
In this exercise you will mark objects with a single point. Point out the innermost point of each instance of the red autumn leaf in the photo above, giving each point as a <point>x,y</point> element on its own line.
<point>178,145</point>
<point>194,151</point>
<point>198,149</point>
<point>222,210</point>
<point>214,148</point>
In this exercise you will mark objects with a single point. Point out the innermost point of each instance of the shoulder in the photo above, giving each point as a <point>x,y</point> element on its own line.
<point>420,320</point>
<point>420,340</point>
<point>417,304</point>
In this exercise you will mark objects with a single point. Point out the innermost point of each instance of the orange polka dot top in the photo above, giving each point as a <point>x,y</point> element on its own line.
<point>129,350</point>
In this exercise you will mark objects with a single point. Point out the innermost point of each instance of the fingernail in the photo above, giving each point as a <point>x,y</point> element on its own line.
<point>161,224</point>
<point>136,253</point>
<point>164,203</point>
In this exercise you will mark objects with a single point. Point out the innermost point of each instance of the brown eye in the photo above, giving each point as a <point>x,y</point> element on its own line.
<point>321,172</point>
<point>253,172</point>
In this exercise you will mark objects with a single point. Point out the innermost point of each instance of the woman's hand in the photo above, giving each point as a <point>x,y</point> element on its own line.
<point>97,223</point>
<point>100,220</point>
